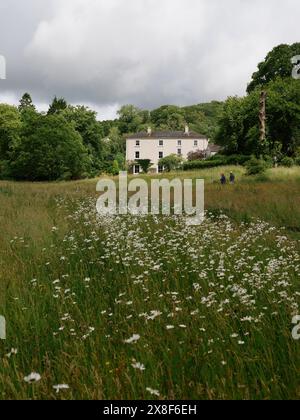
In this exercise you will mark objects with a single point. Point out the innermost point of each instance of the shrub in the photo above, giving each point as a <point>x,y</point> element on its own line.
<point>145,164</point>
<point>297,161</point>
<point>197,155</point>
<point>237,159</point>
<point>215,161</point>
<point>287,162</point>
<point>171,163</point>
<point>269,161</point>
<point>53,150</point>
<point>256,166</point>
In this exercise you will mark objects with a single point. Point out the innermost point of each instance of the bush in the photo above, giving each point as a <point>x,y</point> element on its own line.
<point>237,159</point>
<point>171,163</point>
<point>287,162</point>
<point>197,155</point>
<point>256,166</point>
<point>297,161</point>
<point>215,161</point>
<point>269,161</point>
<point>53,151</point>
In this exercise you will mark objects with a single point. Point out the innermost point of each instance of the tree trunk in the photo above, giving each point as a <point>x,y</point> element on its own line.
<point>262,116</point>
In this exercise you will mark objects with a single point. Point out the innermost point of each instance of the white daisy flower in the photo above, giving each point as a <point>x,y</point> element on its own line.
<point>33,377</point>
<point>138,366</point>
<point>133,339</point>
<point>60,387</point>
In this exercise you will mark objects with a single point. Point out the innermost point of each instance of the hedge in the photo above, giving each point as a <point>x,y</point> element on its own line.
<point>216,161</point>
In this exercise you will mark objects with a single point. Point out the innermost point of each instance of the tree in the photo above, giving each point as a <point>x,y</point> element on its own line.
<point>277,64</point>
<point>85,123</point>
<point>58,105</point>
<point>171,163</point>
<point>145,164</point>
<point>53,151</point>
<point>239,124</point>
<point>10,127</point>
<point>168,117</point>
<point>26,103</point>
<point>197,155</point>
<point>131,119</point>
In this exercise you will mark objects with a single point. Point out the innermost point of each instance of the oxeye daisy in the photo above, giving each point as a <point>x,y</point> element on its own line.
<point>32,378</point>
<point>60,387</point>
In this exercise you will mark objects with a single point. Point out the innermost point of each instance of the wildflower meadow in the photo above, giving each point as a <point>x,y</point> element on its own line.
<point>146,307</point>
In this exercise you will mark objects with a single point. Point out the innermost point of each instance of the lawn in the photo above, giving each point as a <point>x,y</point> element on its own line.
<point>131,308</point>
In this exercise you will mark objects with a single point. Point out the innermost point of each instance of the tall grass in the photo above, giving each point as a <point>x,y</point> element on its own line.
<point>211,306</point>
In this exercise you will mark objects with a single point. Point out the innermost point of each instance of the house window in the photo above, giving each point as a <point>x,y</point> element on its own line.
<point>196,143</point>
<point>137,169</point>
<point>137,155</point>
<point>160,169</point>
<point>161,155</point>
<point>179,143</point>
<point>138,143</point>
<point>179,152</point>
<point>161,143</point>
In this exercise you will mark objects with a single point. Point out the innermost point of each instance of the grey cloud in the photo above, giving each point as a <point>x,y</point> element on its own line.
<point>146,52</point>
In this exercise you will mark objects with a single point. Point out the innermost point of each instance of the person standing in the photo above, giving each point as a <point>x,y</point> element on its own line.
<point>232,178</point>
<point>223,179</point>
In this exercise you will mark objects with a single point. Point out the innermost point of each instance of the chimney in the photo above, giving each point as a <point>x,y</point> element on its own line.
<point>187,130</point>
<point>149,131</point>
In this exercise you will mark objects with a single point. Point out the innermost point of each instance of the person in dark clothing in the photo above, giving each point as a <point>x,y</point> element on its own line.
<point>232,178</point>
<point>223,179</point>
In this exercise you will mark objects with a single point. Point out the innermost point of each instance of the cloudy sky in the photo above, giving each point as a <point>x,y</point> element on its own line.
<point>105,53</point>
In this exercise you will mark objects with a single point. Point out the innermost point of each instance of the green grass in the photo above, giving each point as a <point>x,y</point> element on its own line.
<point>73,295</point>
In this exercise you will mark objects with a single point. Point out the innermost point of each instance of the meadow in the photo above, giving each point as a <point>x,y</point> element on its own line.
<point>150,308</point>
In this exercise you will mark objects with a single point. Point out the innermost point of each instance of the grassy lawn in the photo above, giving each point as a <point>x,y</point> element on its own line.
<point>118,308</point>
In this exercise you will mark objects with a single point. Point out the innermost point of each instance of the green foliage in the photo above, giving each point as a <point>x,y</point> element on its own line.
<point>215,161</point>
<point>131,119</point>
<point>10,126</point>
<point>171,163</point>
<point>145,164</point>
<point>256,166</point>
<point>196,155</point>
<point>85,123</point>
<point>114,169</point>
<point>239,123</point>
<point>58,105</point>
<point>53,151</point>
<point>297,161</point>
<point>287,162</point>
<point>26,103</point>
<point>277,64</point>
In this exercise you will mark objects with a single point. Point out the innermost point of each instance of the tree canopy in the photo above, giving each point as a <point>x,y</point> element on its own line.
<point>277,64</point>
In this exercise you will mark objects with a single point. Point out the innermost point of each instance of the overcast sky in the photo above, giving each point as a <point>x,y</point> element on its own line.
<point>106,53</point>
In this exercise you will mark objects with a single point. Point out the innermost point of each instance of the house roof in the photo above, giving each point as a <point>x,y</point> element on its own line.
<point>164,135</point>
<point>214,148</point>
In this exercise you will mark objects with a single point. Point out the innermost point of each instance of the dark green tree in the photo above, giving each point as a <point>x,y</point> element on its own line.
<point>26,103</point>
<point>53,151</point>
<point>239,123</point>
<point>171,162</point>
<point>277,64</point>
<point>58,105</point>
<point>145,164</point>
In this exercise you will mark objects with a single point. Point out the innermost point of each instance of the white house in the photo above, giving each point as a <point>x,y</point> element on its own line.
<point>155,145</point>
